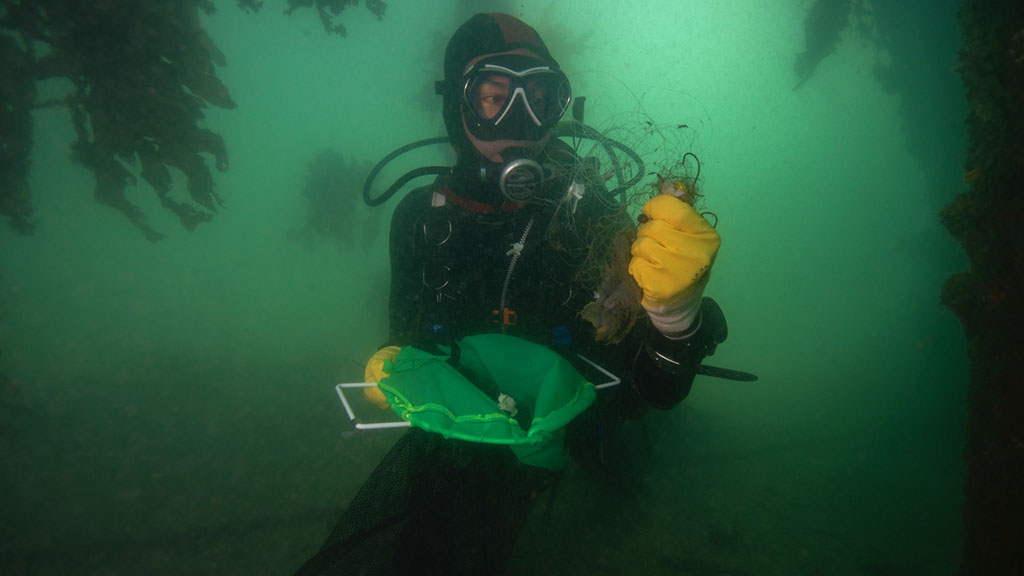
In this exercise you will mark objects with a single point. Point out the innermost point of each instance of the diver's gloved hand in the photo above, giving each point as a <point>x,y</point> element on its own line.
<point>375,371</point>
<point>671,262</point>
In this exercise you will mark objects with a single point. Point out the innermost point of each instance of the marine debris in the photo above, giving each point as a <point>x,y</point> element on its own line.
<point>616,306</point>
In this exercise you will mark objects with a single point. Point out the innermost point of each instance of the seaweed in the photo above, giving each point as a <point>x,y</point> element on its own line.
<point>143,73</point>
<point>328,10</point>
<point>17,94</point>
<point>333,202</point>
<point>823,25</point>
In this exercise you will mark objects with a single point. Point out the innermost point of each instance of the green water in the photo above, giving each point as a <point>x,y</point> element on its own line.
<point>169,407</point>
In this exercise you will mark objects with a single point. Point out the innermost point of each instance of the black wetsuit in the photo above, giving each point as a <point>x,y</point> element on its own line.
<point>450,269</point>
<point>448,506</point>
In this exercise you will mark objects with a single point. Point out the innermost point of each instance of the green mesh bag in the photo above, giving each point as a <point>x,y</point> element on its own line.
<point>463,397</point>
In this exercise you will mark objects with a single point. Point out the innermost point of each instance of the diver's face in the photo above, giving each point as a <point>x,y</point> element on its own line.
<point>492,95</point>
<point>509,102</point>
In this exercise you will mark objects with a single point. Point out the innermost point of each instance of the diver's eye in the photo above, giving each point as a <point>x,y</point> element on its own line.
<point>490,103</point>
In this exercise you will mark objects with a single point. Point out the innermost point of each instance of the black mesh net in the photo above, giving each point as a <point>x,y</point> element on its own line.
<point>433,506</point>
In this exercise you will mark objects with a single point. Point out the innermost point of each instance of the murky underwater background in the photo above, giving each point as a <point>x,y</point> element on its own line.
<point>169,407</point>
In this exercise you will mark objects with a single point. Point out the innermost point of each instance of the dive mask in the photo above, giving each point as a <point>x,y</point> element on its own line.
<point>513,98</point>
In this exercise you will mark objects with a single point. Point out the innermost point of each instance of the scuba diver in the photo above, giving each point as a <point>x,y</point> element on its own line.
<point>513,240</point>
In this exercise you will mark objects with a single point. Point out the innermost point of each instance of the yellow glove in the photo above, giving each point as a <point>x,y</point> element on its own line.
<point>375,372</point>
<point>672,258</point>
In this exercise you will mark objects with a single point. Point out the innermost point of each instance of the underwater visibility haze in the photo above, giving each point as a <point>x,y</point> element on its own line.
<point>190,268</point>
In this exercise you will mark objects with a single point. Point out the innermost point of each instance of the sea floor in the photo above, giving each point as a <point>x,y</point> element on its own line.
<point>242,485</point>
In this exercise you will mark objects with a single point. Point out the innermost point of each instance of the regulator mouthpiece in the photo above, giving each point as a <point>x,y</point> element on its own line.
<point>521,179</point>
